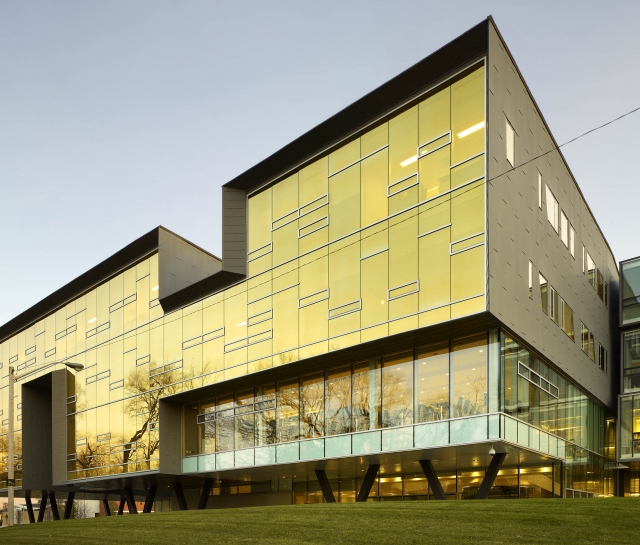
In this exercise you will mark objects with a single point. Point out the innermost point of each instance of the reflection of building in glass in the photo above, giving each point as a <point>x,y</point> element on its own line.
<point>394,301</point>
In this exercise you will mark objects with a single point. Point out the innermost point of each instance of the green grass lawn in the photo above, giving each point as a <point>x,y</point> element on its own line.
<point>610,521</point>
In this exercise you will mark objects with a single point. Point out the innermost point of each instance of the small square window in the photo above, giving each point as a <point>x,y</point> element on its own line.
<point>511,144</point>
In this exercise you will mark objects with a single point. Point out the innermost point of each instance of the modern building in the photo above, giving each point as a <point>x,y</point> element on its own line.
<point>413,302</point>
<point>629,402</point>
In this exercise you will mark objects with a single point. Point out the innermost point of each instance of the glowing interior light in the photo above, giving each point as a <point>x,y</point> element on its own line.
<point>92,320</point>
<point>407,162</point>
<point>155,288</point>
<point>241,324</point>
<point>471,130</point>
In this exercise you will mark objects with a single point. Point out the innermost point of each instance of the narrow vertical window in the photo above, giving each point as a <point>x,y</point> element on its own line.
<point>591,271</point>
<point>606,294</point>
<point>564,229</point>
<point>511,144</point>
<point>592,349</point>
<point>553,304</point>
<point>544,297</point>
<point>584,334</point>
<point>584,254</point>
<point>552,209</point>
<point>572,238</point>
<point>530,280</point>
<point>539,190</point>
<point>600,284</point>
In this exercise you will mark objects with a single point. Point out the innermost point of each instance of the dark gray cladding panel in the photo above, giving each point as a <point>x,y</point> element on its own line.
<point>170,417</point>
<point>181,263</point>
<point>234,230</point>
<point>447,59</point>
<point>36,434</point>
<point>59,438</point>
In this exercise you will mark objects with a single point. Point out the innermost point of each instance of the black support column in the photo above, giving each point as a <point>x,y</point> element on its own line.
<point>182,502</point>
<point>43,505</point>
<point>367,483</point>
<point>432,479</point>
<point>206,491</point>
<point>121,506</point>
<point>27,500</point>
<point>151,496</point>
<point>325,486</point>
<point>131,501</point>
<point>54,506</point>
<point>69,505</point>
<point>107,509</point>
<point>490,475</point>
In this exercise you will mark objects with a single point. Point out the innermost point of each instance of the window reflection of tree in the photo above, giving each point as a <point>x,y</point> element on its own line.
<point>472,400</point>
<point>17,455</point>
<point>397,398</point>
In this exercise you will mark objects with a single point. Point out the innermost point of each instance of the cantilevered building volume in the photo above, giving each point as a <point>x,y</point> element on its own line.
<point>414,301</point>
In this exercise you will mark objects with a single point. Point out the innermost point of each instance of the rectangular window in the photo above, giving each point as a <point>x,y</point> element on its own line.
<point>584,263</point>
<point>511,144</point>
<point>530,280</point>
<point>432,383</point>
<point>552,209</point>
<point>397,390</point>
<point>544,297</point>
<point>338,401</point>
<point>288,411</point>
<point>312,406</point>
<point>592,347</point>
<point>540,191</point>
<point>366,411</point>
<point>584,333</point>
<point>591,270</point>
<point>631,360</point>
<point>553,305</point>
<point>564,229</point>
<point>600,284</point>
<point>602,358</point>
<point>572,239</point>
<point>567,320</point>
<point>606,294</point>
<point>469,380</point>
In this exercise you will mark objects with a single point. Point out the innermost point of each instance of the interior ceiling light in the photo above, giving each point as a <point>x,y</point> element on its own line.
<point>470,130</point>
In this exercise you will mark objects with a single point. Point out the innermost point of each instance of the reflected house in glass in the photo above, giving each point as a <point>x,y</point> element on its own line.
<point>405,288</point>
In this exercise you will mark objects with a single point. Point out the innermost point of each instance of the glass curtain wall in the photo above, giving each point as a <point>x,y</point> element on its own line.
<point>383,235</point>
<point>395,390</point>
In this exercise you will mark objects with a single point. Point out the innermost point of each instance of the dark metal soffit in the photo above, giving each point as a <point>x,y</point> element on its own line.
<point>195,292</point>
<point>456,53</point>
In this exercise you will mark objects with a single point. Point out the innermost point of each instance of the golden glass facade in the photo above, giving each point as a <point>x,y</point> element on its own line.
<point>382,235</point>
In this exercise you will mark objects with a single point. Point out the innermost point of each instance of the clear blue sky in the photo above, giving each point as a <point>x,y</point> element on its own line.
<point>116,117</point>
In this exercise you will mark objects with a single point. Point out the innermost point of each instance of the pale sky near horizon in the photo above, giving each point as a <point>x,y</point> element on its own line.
<point>117,117</point>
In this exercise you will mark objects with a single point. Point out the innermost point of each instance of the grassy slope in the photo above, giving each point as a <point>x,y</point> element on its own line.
<point>525,521</point>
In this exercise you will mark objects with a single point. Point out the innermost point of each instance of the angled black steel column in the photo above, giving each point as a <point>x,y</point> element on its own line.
<point>325,486</point>
<point>182,502</point>
<point>206,491</point>
<point>43,505</point>
<point>432,479</point>
<point>54,506</point>
<point>151,496</point>
<point>121,506</point>
<point>367,483</point>
<point>107,509</point>
<point>68,506</point>
<point>27,500</point>
<point>490,475</point>
<point>131,501</point>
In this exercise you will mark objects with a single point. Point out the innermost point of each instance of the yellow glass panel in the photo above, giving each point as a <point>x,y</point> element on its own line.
<point>434,269</point>
<point>403,145</point>
<point>344,341</point>
<point>313,181</point>
<point>458,246</point>
<point>285,320</point>
<point>285,197</point>
<point>435,115</point>
<point>403,290</point>
<point>402,185</point>
<point>435,214</point>
<point>313,323</point>
<point>261,345</point>
<point>260,365</point>
<point>464,308</point>
<point>285,243</point>
<point>467,116</point>
<point>467,211</point>
<point>259,286</point>
<point>237,371</point>
<point>467,273</point>
<point>344,202</point>
<point>375,179</point>
<point>375,282</point>
<point>285,276</point>
<point>142,300</point>
<point>212,355</point>
<point>344,271</point>
<point>374,139</point>
<point>404,199</point>
<point>404,324</point>
<point>235,357</point>
<point>192,324</point>
<point>403,249</point>
<point>285,220</point>
<point>173,339</point>
<point>435,316</point>
<point>261,264</point>
<point>375,332</point>
<point>374,239</point>
<point>314,273</point>
<point>259,220</point>
<point>435,173</point>
<point>402,307</point>
<point>344,156</point>
<point>471,170</point>
<point>314,349</point>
